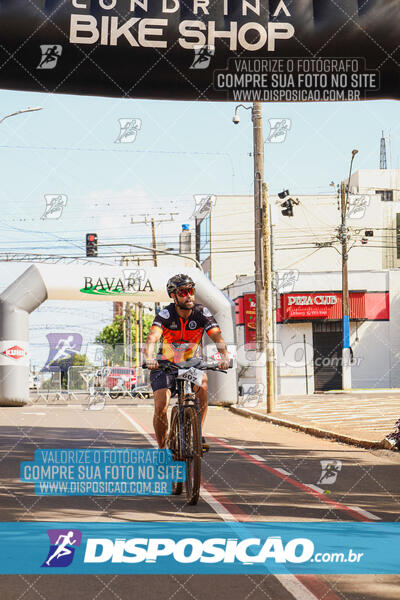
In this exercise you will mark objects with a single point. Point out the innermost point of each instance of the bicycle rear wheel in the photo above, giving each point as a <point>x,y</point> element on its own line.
<point>174,444</point>
<point>192,454</point>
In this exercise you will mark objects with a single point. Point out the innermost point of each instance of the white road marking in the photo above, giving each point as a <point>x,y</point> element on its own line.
<point>209,498</point>
<point>365,513</point>
<point>260,458</point>
<point>289,582</point>
<point>295,587</point>
<point>283,471</point>
<point>33,413</point>
<point>315,487</point>
<point>138,427</point>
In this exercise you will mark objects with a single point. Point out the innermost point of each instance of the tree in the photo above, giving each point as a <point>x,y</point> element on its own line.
<point>112,336</point>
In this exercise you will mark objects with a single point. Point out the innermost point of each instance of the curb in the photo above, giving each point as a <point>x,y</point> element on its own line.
<point>322,433</point>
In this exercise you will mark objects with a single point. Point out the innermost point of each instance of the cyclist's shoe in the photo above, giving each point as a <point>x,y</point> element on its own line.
<point>204,445</point>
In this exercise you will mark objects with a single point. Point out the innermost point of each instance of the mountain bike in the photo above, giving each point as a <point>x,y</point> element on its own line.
<point>185,436</point>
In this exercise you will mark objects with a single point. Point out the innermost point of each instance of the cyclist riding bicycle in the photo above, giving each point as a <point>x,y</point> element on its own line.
<point>179,328</point>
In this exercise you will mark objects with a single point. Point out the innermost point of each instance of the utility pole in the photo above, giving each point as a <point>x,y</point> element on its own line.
<point>268,275</point>
<point>128,334</point>
<point>346,359</point>
<point>154,242</point>
<point>258,141</point>
<point>137,353</point>
<point>141,335</point>
<point>346,376</point>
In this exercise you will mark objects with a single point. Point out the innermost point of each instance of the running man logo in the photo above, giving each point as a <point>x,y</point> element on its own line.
<point>128,130</point>
<point>330,471</point>
<point>278,130</point>
<point>62,346</point>
<point>61,551</point>
<point>50,55</point>
<point>55,204</point>
<point>202,57</point>
<point>357,206</point>
<point>286,280</point>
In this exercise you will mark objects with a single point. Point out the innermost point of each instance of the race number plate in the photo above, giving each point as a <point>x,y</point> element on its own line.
<point>193,375</point>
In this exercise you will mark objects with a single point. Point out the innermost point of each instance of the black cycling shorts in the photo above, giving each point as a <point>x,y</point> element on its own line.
<point>159,380</point>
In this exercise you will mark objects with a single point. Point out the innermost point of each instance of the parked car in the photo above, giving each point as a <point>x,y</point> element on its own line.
<point>120,380</point>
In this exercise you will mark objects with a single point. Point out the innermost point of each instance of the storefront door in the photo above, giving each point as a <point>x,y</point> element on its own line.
<point>327,340</point>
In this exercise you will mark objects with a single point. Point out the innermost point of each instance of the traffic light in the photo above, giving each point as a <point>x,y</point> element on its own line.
<point>91,244</point>
<point>288,205</point>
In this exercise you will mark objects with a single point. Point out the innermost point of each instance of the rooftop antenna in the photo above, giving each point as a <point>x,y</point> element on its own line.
<point>383,162</point>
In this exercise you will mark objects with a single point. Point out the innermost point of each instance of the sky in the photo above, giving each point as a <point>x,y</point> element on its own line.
<point>181,149</point>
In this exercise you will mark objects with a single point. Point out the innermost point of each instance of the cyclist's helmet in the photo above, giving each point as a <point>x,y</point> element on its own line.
<point>178,281</point>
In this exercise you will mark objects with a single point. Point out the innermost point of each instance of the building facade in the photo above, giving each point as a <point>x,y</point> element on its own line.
<point>308,339</point>
<point>307,264</point>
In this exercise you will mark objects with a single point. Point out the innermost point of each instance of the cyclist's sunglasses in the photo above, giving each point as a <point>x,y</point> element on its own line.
<point>182,292</point>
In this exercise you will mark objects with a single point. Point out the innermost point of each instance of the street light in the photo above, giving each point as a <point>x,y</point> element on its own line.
<point>261,218</point>
<point>19,112</point>
<point>346,366</point>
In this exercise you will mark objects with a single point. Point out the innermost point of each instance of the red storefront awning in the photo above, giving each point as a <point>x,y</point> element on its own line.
<point>370,306</point>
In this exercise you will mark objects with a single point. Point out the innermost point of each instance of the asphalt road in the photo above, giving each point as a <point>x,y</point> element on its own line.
<point>255,472</point>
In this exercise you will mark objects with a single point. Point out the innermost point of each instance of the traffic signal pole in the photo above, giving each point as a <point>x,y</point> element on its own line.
<point>346,352</point>
<point>346,368</point>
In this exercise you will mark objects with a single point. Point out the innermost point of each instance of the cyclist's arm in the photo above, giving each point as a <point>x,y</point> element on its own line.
<point>153,338</point>
<point>216,336</point>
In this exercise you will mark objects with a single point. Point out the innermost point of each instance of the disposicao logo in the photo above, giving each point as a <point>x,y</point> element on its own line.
<point>62,547</point>
<point>191,550</point>
<point>15,352</point>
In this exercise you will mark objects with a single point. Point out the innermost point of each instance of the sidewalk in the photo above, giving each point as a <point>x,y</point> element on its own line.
<point>360,418</point>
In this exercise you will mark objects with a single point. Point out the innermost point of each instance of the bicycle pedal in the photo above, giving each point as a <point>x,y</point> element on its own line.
<point>204,445</point>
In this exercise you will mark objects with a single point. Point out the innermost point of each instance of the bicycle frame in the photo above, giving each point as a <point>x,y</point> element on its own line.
<point>185,396</point>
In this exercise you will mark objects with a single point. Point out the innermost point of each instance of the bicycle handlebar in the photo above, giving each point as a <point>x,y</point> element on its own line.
<point>166,365</point>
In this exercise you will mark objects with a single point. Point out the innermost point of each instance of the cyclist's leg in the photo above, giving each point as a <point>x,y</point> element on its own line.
<point>161,384</point>
<point>202,394</point>
<point>160,419</point>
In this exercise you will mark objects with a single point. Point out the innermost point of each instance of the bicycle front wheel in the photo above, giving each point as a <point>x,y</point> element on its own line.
<point>192,454</point>
<point>174,444</point>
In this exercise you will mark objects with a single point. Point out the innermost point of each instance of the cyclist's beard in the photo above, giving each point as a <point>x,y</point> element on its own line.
<point>181,306</point>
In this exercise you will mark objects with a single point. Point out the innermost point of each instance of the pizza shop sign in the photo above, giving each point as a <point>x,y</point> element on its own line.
<point>310,306</point>
<point>311,300</point>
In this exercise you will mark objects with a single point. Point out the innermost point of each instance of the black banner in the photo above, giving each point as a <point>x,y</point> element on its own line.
<point>240,50</point>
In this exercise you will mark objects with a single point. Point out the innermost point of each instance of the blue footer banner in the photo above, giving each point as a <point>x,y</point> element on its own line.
<point>201,548</point>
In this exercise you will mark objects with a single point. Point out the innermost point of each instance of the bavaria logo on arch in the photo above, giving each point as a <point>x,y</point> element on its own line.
<point>112,286</point>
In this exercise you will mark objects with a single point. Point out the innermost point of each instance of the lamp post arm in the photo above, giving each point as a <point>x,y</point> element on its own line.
<point>19,112</point>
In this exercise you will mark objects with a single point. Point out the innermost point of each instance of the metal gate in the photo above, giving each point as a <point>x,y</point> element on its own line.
<point>327,340</point>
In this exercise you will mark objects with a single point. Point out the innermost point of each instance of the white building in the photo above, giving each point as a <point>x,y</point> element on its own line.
<point>309,331</point>
<point>307,258</point>
<point>307,241</point>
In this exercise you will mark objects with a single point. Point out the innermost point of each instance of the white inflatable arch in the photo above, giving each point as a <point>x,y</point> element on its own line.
<point>92,282</point>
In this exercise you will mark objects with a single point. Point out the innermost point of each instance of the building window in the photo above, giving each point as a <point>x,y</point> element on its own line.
<point>386,195</point>
<point>204,234</point>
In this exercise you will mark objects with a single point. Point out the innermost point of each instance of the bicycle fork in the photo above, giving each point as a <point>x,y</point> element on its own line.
<point>183,397</point>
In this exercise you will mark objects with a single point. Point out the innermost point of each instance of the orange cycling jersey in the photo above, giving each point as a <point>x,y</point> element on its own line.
<point>180,338</point>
